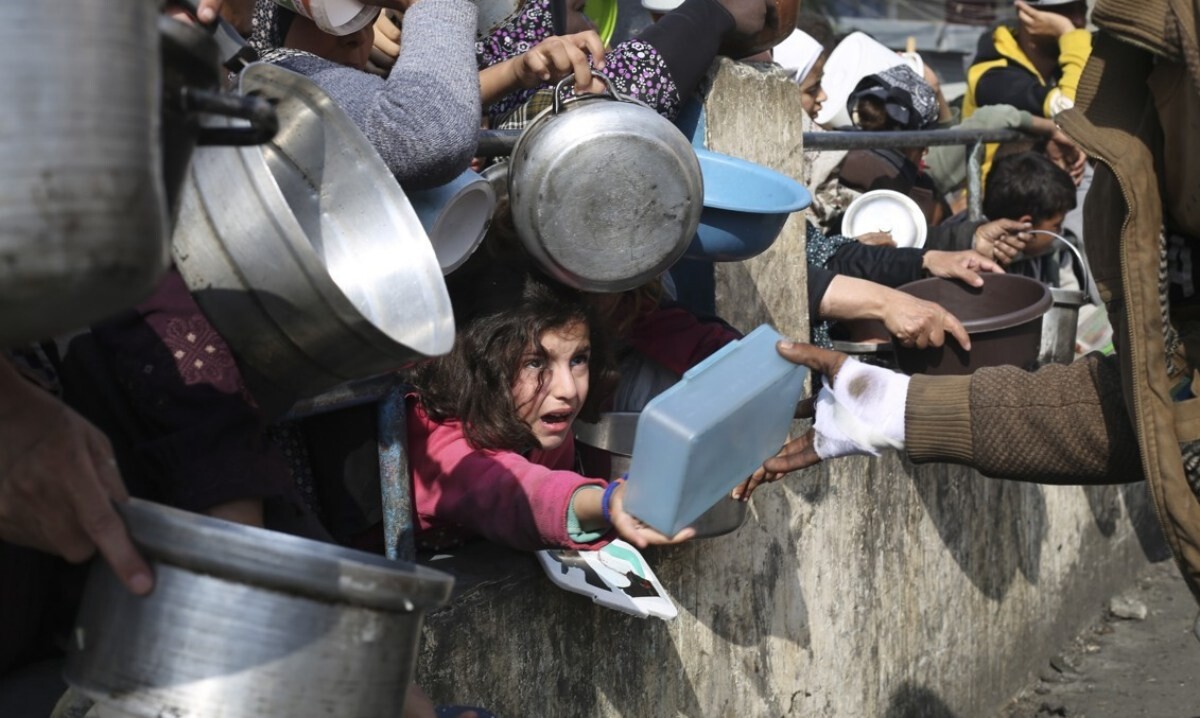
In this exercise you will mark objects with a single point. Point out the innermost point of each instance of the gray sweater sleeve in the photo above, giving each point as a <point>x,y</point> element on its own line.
<point>424,118</point>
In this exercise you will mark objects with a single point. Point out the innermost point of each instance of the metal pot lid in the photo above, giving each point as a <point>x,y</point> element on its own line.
<point>282,562</point>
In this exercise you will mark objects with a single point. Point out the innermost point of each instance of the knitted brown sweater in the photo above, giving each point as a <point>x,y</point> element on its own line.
<point>1059,425</point>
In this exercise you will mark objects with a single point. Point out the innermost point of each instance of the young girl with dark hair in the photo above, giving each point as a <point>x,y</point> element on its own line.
<point>489,435</point>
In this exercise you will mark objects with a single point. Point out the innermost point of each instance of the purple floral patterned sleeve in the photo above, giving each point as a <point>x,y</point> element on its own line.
<point>636,68</point>
<point>516,35</point>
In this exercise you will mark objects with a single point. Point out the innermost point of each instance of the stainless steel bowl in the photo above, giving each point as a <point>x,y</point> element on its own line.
<point>248,623</point>
<point>305,253</point>
<point>614,434</point>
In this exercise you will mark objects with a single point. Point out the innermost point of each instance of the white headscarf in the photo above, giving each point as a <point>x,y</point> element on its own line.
<point>797,54</point>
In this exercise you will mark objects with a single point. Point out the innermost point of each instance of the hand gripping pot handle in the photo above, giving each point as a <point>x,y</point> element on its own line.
<point>235,56</point>
<point>612,91</point>
<point>1087,272</point>
<point>235,53</point>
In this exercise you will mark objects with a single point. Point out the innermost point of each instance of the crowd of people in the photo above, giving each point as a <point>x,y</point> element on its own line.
<point>489,426</point>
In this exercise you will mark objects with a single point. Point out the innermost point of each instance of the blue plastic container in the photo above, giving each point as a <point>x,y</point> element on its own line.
<point>702,437</point>
<point>745,207</point>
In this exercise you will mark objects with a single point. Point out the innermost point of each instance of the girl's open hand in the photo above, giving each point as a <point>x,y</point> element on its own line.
<point>636,532</point>
<point>556,57</point>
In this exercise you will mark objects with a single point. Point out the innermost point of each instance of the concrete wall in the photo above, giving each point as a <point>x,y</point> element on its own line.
<point>859,588</point>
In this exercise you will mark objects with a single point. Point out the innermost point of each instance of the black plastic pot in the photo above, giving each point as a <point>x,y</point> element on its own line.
<point>1003,319</point>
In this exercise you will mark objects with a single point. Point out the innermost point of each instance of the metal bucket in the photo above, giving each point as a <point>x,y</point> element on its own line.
<point>1059,326</point>
<point>614,434</point>
<point>249,623</point>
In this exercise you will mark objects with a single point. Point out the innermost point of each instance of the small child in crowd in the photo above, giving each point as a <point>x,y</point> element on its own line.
<point>1026,187</point>
<point>489,435</point>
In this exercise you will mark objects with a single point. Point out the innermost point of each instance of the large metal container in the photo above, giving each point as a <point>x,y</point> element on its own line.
<point>248,623</point>
<point>614,433</point>
<point>305,253</point>
<point>82,213</point>
<point>605,193</point>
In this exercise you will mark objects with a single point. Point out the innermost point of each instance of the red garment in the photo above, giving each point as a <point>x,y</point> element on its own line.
<point>460,492</point>
<point>677,339</point>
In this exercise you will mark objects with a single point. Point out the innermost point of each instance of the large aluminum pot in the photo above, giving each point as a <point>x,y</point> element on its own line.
<point>82,214</point>
<point>614,433</point>
<point>306,255</point>
<point>606,194</point>
<point>248,623</point>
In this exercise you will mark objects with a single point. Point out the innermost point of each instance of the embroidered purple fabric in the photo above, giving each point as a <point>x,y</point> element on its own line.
<point>635,66</point>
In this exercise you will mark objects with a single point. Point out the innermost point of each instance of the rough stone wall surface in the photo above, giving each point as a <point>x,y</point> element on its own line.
<point>864,587</point>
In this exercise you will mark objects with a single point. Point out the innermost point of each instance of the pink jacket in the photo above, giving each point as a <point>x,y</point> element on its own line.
<point>460,492</point>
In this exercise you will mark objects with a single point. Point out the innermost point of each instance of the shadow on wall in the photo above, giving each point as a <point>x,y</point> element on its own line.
<point>1140,508</point>
<point>1105,504</point>
<point>749,593</point>
<point>992,527</point>
<point>913,701</point>
<point>546,634</point>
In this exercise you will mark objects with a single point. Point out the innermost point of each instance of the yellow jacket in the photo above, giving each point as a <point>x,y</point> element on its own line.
<point>1004,75</point>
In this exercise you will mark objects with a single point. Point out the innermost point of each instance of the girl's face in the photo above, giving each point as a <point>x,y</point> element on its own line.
<point>812,95</point>
<point>552,382</point>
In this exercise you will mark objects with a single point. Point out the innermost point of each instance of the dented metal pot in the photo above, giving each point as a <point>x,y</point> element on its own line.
<point>249,623</point>
<point>605,193</point>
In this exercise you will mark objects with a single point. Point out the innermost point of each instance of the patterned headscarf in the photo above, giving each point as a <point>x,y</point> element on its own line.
<point>268,27</point>
<point>907,99</point>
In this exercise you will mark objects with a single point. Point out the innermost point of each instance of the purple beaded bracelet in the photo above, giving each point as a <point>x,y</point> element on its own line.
<point>606,499</point>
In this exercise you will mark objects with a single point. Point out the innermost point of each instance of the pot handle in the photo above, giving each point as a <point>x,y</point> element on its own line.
<point>235,53</point>
<point>608,84</point>
<point>1088,282</point>
<point>257,110</point>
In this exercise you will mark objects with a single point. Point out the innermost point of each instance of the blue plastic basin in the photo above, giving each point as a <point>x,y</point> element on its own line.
<point>745,208</point>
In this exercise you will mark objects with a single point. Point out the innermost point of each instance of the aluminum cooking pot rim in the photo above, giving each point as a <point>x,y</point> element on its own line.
<point>282,562</point>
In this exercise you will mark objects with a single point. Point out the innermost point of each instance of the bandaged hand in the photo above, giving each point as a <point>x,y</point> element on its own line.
<point>860,412</point>
<point>855,395</point>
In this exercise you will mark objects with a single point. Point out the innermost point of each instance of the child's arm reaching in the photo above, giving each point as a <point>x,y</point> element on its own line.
<point>549,61</point>
<point>499,495</point>
<point>591,506</point>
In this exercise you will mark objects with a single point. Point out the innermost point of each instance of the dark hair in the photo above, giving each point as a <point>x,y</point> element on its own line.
<point>872,116</point>
<point>501,313</point>
<point>818,28</point>
<point>1027,184</point>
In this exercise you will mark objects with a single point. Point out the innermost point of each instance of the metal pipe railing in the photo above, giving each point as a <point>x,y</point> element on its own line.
<point>499,143</point>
